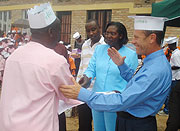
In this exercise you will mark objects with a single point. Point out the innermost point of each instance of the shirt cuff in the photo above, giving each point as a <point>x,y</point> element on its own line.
<point>88,75</point>
<point>84,94</point>
<point>123,67</point>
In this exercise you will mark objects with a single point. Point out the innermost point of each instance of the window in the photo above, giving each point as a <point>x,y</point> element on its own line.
<point>5,20</point>
<point>103,17</point>
<point>5,16</point>
<point>4,27</point>
<point>9,15</point>
<point>0,15</point>
<point>24,14</point>
<point>65,18</point>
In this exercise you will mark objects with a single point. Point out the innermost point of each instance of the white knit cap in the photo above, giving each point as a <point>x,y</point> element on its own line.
<point>76,35</point>
<point>61,42</point>
<point>41,16</point>
<point>148,23</point>
<point>68,46</point>
<point>13,31</point>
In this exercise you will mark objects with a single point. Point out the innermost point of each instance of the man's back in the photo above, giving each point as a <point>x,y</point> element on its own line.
<point>30,89</point>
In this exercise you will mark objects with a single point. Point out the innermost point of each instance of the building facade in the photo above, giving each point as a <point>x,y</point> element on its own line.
<point>74,14</point>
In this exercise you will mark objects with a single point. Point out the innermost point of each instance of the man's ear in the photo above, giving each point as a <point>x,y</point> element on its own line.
<point>153,38</point>
<point>120,36</point>
<point>50,32</point>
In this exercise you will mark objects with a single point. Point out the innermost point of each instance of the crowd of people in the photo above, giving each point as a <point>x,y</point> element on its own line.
<point>8,43</point>
<point>45,77</point>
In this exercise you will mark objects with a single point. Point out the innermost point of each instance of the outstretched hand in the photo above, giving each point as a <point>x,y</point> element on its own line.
<point>70,91</point>
<point>115,56</point>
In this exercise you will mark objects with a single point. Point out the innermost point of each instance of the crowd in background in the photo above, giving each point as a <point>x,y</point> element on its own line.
<point>8,43</point>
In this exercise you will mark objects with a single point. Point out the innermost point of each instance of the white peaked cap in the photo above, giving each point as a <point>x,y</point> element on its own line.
<point>171,40</point>
<point>1,39</point>
<point>10,43</point>
<point>148,23</point>
<point>76,35</point>
<point>41,16</point>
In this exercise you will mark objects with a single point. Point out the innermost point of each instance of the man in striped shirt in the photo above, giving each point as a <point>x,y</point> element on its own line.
<point>95,38</point>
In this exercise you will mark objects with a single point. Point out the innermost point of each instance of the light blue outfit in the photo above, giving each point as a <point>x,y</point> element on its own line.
<point>145,92</point>
<point>108,78</point>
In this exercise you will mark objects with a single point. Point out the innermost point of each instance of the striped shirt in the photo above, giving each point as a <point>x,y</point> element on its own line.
<point>87,52</point>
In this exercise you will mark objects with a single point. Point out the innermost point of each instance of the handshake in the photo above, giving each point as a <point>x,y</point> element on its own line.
<point>85,81</point>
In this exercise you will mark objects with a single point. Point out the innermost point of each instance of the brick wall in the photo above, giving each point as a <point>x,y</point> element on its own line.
<point>121,15</point>
<point>78,24</point>
<point>16,14</point>
<point>143,3</point>
<point>173,31</point>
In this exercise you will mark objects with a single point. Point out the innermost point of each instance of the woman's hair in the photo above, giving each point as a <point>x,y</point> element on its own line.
<point>121,29</point>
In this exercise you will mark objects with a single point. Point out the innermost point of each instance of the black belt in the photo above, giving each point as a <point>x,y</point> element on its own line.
<point>129,116</point>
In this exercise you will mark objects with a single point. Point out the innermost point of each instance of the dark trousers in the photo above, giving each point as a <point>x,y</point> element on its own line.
<point>77,63</point>
<point>62,122</point>
<point>166,107</point>
<point>85,118</point>
<point>130,123</point>
<point>173,122</point>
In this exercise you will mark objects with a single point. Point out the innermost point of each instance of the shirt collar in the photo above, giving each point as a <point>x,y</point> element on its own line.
<point>175,51</point>
<point>153,55</point>
<point>101,41</point>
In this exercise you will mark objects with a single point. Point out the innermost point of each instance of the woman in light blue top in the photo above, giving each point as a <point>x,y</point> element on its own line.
<point>106,73</point>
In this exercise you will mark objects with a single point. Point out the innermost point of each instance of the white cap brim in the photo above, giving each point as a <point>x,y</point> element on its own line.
<point>148,23</point>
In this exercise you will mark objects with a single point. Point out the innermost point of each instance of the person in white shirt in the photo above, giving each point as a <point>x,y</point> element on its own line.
<point>171,43</point>
<point>173,102</point>
<point>95,38</point>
